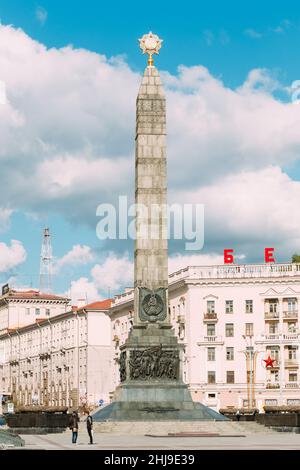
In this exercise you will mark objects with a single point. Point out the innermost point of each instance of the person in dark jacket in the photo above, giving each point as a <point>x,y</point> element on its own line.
<point>89,427</point>
<point>74,420</point>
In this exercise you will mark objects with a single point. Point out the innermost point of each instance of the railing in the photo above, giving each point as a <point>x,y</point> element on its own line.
<point>290,314</point>
<point>240,271</point>
<point>13,359</point>
<point>271,315</point>
<point>124,297</point>
<point>279,336</point>
<point>274,385</point>
<point>292,385</point>
<point>272,337</point>
<point>290,336</point>
<point>210,316</point>
<point>211,339</point>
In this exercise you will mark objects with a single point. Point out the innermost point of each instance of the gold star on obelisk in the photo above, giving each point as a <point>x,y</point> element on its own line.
<point>150,44</point>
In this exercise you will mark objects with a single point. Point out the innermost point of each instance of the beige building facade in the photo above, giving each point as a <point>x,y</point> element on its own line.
<point>230,319</point>
<point>61,360</point>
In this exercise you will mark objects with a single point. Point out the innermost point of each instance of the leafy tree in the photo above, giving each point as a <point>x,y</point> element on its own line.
<point>296,258</point>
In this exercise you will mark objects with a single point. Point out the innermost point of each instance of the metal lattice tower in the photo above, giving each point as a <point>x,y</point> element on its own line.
<point>46,263</point>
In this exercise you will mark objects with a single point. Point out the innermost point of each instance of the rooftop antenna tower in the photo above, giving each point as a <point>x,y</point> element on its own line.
<point>46,263</point>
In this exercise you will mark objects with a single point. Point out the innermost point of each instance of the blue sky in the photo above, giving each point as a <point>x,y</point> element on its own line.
<point>235,56</point>
<point>216,34</point>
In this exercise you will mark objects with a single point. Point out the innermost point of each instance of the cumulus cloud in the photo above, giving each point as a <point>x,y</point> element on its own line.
<point>250,210</point>
<point>11,255</point>
<point>114,273</point>
<point>78,255</point>
<point>83,291</point>
<point>67,136</point>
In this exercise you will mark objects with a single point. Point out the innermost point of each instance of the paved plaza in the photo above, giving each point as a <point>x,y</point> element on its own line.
<point>111,442</point>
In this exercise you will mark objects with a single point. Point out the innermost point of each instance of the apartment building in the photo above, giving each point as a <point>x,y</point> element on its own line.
<point>230,319</point>
<point>62,359</point>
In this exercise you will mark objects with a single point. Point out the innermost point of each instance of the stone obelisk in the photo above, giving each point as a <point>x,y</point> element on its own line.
<point>151,386</point>
<point>151,246</point>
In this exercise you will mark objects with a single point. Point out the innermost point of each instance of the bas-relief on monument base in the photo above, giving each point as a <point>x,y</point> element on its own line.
<point>151,388</point>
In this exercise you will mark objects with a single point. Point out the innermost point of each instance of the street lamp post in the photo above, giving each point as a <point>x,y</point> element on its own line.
<point>250,354</point>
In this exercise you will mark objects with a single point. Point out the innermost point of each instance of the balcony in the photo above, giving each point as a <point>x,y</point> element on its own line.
<point>290,315</point>
<point>291,363</point>
<point>274,385</point>
<point>211,340</point>
<point>272,337</point>
<point>13,359</point>
<point>272,316</point>
<point>210,317</point>
<point>292,385</point>
<point>275,338</point>
<point>45,353</point>
<point>290,336</point>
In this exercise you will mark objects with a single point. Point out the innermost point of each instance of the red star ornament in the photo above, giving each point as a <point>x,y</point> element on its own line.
<point>269,362</point>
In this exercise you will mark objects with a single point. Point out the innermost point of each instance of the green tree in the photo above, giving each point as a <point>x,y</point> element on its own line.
<point>296,258</point>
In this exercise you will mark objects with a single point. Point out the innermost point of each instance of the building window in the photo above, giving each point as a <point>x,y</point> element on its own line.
<point>210,306</point>
<point>292,353</point>
<point>274,353</point>
<point>273,305</point>
<point>229,354</point>
<point>271,402</point>
<point>292,327</point>
<point>211,377</point>
<point>273,328</point>
<point>211,395</point>
<point>292,376</point>
<point>27,311</point>
<point>249,306</point>
<point>211,329</point>
<point>249,329</point>
<point>230,377</point>
<point>229,306</point>
<point>291,305</point>
<point>293,401</point>
<point>211,354</point>
<point>47,312</point>
<point>229,330</point>
<point>37,311</point>
<point>274,375</point>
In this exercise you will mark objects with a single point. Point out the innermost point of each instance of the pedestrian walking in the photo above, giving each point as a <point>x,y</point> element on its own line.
<point>74,420</point>
<point>89,427</point>
<point>238,415</point>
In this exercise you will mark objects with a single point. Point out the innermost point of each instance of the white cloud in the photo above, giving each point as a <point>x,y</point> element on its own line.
<point>113,274</point>
<point>41,15</point>
<point>252,33</point>
<point>5,215</point>
<point>78,255</point>
<point>11,255</point>
<point>67,133</point>
<point>180,261</point>
<point>251,209</point>
<point>83,291</point>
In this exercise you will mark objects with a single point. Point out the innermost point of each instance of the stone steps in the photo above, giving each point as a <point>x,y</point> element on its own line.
<point>166,427</point>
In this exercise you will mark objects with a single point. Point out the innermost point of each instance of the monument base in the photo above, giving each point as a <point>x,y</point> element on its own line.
<point>151,387</point>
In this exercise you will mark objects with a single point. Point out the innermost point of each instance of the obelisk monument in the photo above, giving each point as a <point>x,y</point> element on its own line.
<point>151,386</point>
